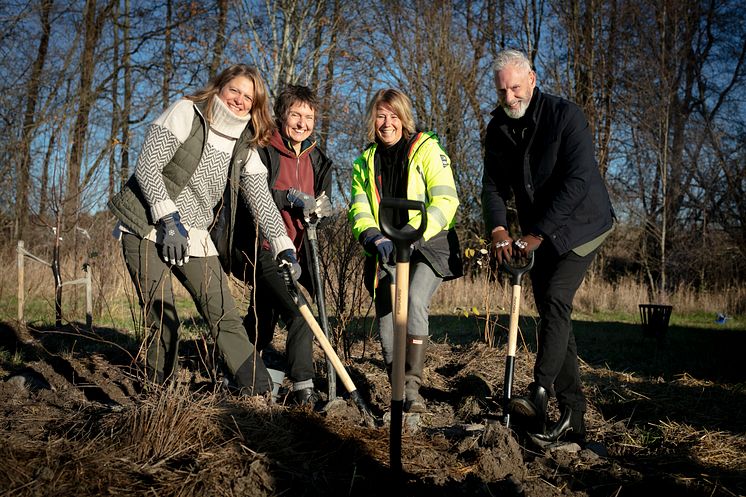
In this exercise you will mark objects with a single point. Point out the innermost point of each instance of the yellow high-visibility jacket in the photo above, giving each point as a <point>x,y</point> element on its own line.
<point>430,180</point>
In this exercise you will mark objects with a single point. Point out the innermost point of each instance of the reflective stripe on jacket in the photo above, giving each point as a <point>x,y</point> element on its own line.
<point>429,179</point>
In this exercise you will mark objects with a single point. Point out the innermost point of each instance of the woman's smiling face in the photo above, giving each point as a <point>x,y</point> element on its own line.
<point>238,95</point>
<point>388,125</point>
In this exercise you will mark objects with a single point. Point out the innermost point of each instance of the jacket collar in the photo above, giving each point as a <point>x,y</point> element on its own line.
<point>283,146</point>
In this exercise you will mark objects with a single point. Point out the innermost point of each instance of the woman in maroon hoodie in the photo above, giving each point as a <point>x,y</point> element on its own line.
<point>300,180</point>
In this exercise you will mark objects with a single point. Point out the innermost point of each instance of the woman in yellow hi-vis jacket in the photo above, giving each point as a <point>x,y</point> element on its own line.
<point>404,163</point>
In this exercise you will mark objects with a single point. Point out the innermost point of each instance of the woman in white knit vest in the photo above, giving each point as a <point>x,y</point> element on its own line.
<point>198,146</point>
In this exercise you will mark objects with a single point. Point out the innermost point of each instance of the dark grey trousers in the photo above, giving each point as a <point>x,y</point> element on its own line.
<point>204,279</point>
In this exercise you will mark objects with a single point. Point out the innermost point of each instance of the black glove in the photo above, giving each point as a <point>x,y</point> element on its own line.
<point>302,200</point>
<point>286,260</point>
<point>173,238</point>
<point>379,244</point>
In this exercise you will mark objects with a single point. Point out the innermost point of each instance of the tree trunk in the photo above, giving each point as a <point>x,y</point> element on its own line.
<point>92,25</point>
<point>29,122</point>
<point>127,102</point>
<point>116,110</point>
<point>167,57</point>
<point>220,39</point>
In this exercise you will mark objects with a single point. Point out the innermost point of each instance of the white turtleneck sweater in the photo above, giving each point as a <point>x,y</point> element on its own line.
<point>205,188</point>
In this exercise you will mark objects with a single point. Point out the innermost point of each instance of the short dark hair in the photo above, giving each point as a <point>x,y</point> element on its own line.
<point>291,95</point>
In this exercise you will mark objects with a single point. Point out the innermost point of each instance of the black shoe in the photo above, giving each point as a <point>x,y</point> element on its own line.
<point>532,407</point>
<point>569,427</point>
<point>306,397</point>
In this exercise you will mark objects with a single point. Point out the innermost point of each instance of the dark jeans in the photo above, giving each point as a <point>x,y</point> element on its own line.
<point>204,279</point>
<point>555,279</point>
<point>271,301</point>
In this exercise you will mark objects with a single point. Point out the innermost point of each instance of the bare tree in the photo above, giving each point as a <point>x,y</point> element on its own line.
<point>29,120</point>
<point>670,103</point>
<point>585,64</point>
<point>93,23</point>
<point>285,39</point>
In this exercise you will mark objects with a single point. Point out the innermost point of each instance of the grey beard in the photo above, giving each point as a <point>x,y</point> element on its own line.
<point>516,114</point>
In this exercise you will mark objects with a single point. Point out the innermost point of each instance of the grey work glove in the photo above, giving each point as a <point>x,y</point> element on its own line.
<point>173,238</point>
<point>302,200</point>
<point>286,260</point>
<point>323,206</point>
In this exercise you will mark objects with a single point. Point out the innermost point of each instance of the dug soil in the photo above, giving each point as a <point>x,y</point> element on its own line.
<point>77,419</point>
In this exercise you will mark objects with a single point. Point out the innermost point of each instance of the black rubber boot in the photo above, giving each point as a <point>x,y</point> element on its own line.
<point>570,426</point>
<point>306,397</point>
<point>416,348</point>
<point>532,408</point>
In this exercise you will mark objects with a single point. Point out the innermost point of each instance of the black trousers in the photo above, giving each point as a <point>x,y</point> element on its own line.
<point>555,279</point>
<point>271,302</point>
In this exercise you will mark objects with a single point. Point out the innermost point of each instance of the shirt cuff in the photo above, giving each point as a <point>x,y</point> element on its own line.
<point>162,208</point>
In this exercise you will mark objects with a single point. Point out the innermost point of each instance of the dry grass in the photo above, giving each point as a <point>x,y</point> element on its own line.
<point>595,294</point>
<point>714,449</point>
<point>670,422</point>
<point>172,442</point>
<point>165,426</point>
<point>115,302</point>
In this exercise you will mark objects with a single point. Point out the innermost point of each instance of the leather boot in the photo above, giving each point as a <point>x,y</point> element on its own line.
<point>532,407</point>
<point>569,424</point>
<point>306,397</point>
<point>416,348</point>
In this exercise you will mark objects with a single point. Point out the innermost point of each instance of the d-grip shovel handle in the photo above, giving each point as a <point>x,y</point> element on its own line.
<point>402,239</point>
<point>516,272</point>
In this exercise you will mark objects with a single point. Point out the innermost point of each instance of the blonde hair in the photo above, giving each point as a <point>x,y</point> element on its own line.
<point>401,106</point>
<point>261,123</point>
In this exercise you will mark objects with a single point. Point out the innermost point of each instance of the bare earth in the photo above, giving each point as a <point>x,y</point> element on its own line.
<point>76,420</point>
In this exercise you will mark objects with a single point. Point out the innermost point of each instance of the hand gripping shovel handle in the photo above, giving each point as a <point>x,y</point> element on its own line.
<point>402,240</point>
<point>516,273</point>
<point>328,349</point>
